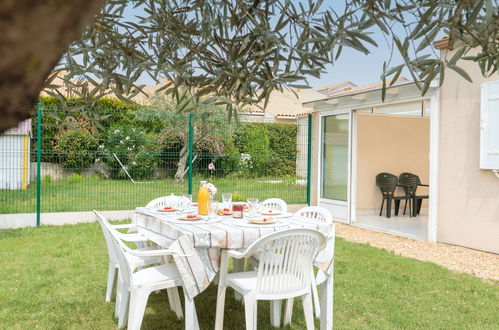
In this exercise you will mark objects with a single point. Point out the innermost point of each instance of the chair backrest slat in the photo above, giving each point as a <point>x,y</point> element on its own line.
<point>387,183</point>
<point>275,204</point>
<point>170,200</point>
<point>286,259</point>
<point>316,212</point>
<point>409,182</point>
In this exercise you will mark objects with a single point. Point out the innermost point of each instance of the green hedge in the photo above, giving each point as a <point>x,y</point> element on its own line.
<point>272,147</point>
<point>69,133</point>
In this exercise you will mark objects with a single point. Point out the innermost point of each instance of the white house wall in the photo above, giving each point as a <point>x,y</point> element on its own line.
<point>468,210</point>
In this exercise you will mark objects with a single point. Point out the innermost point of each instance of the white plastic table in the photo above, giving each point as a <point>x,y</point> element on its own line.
<point>196,248</point>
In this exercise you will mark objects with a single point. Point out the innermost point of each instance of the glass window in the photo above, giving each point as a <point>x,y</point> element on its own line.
<point>335,157</point>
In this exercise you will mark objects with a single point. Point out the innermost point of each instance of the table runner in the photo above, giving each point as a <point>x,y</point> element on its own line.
<point>196,247</point>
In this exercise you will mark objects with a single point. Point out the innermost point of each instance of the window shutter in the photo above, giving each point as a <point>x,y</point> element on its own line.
<point>489,126</point>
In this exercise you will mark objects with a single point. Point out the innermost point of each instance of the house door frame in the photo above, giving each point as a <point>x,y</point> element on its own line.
<point>341,210</point>
<point>350,204</point>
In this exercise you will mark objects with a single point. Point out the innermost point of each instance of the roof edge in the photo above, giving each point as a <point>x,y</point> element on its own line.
<point>442,43</point>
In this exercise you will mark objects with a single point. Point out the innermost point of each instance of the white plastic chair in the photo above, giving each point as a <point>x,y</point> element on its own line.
<point>275,204</point>
<point>315,212</point>
<point>137,286</point>
<point>171,200</point>
<point>321,214</point>
<point>134,261</point>
<point>275,278</point>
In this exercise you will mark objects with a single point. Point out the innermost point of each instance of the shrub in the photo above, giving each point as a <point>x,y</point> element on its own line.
<point>238,197</point>
<point>74,177</point>
<point>134,148</point>
<point>271,148</point>
<point>230,161</point>
<point>76,148</point>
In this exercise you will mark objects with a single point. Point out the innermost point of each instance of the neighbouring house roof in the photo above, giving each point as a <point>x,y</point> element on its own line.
<point>442,43</point>
<point>368,87</point>
<point>286,104</point>
<point>362,89</point>
<point>331,89</point>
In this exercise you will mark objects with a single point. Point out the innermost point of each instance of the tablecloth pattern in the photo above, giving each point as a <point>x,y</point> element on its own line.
<point>196,247</point>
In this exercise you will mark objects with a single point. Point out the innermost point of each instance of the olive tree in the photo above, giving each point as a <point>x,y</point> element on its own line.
<point>237,50</point>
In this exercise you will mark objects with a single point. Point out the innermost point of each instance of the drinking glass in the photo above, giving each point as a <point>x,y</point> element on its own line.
<point>213,209</point>
<point>227,200</point>
<point>187,200</point>
<point>253,204</point>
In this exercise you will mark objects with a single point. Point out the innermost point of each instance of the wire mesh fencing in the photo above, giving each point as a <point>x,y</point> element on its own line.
<point>117,159</point>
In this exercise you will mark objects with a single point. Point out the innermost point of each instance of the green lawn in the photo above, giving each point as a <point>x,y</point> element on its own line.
<point>84,194</point>
<point>55,277</point>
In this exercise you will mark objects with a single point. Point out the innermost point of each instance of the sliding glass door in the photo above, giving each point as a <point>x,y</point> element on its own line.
<point>335,163</point>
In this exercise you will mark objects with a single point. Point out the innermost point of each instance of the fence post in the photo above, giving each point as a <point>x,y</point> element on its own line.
<point>309,155</point>
<point>191,136</point>
<point>38,161</point>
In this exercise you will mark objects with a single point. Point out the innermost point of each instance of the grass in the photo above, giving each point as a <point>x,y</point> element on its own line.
<point>55,278</point>
<point>82,194</point>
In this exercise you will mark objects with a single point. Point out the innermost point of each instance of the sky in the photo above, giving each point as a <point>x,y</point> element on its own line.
<point>351,66</point>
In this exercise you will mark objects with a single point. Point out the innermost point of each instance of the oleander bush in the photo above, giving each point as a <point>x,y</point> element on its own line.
<point>135,150</point>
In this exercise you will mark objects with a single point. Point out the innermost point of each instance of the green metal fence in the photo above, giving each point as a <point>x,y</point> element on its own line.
<point>118,159</point>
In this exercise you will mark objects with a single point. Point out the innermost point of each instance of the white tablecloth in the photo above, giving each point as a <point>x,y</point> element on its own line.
<point>196,246</point>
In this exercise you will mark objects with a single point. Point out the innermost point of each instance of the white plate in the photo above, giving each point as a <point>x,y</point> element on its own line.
<point>281,215</point>
<point>194,222</point>
<point>244,223</point>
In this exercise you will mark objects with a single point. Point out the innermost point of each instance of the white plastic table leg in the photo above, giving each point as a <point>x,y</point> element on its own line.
<point>275,313</point>
<point>238,266</point>
<point>327,303</point>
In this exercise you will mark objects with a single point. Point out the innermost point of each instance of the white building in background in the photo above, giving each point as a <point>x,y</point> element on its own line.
<point>15,157</point>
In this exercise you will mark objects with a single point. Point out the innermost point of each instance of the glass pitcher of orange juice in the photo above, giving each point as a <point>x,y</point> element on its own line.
<point>203,199</point>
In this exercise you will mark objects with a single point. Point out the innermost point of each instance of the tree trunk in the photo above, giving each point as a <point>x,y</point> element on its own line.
<point>34,34</point>
<point>182,162</point>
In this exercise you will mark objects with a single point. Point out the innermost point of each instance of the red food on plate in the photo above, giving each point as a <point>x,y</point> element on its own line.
<point>191,216</point>
<point>167,208</point>
<point>265,220</point>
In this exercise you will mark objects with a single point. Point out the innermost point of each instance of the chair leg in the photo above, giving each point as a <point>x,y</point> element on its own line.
<point>414,207</point>
<point>111,280</point>
<point>219,318</point>
<point>397,206</point>
<point>119,294</point>
<point>138,302</point>
<point>405,206</point>
<point>275,313</point>
<point>388,207</point>
<point>288,312</point>
<point>308,311</point>
<point>315,295</point>
<point>123,307</point>
<point>381,209</point>
<point>250,310</point>
<point>420,203</point>
<point>191,319</point>
<point>174,301</point>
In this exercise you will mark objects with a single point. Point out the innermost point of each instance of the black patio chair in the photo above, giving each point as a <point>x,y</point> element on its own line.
<point>387,183</point>
<point>410,183</point>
